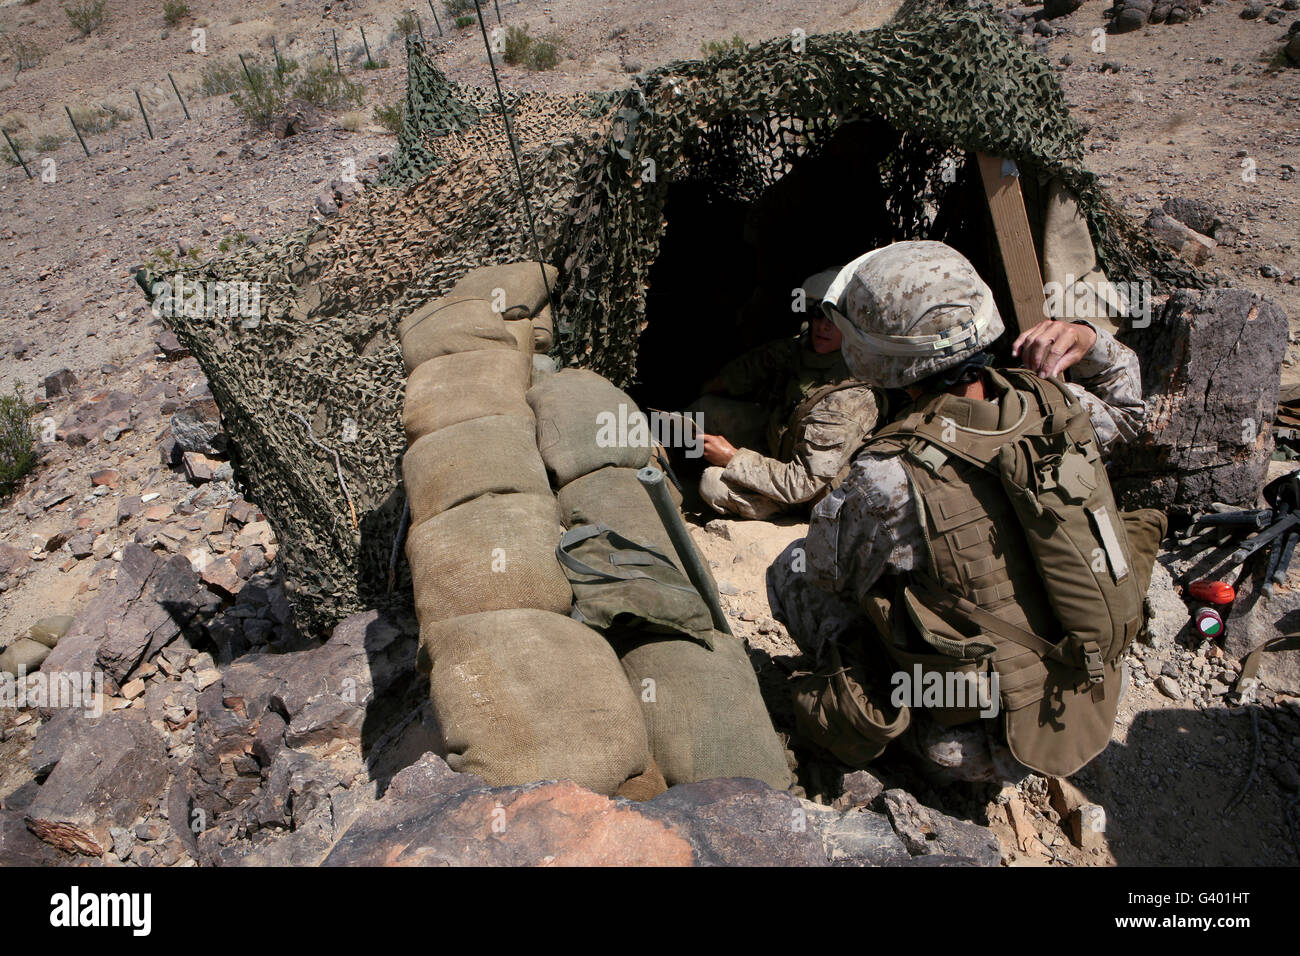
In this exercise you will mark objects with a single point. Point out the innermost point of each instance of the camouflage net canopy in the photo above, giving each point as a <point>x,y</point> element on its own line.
<point>320,374</point>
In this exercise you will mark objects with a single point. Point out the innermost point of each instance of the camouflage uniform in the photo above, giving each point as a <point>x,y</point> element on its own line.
<point>870,526</point>
<point>799,467</point>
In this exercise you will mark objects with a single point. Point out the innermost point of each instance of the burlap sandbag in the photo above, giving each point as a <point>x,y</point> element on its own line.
<point>516,287</point>
<point>49,630</point>
<point>521,330</point>
<point>615,498</point>
<point>25,656</point>
<point>703,711</point>
<point>456,388</point>
<point>449,325</point>
<point>525,695</point>
<point>495,552</point>
<point>497,454</point>
<point>543,331</point>
<point>584,423</point>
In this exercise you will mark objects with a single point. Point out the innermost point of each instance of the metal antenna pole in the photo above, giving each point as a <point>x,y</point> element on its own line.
<point>514,153</point>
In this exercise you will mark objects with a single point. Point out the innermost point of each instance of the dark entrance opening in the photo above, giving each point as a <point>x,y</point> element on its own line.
<point>760,204</point>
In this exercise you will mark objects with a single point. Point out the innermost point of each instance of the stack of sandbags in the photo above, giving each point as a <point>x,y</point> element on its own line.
<point>519,293</point>
<point>704,714</point>
<point>521,691</point>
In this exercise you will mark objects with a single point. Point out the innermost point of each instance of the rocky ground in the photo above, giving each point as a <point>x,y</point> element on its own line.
<point>131,525</point>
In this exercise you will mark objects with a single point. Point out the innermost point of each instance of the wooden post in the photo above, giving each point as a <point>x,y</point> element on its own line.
<point>1011,224</point>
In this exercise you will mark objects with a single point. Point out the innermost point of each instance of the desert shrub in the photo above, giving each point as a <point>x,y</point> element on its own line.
<point>174,11</point>
<point>8,154</point>
<point>221,76</point>
<point>48,142</point>
<point>260,94</point>
<point>321,86</point>
<point>406,24</point>
<point>17,442</point>
<point>524,50</point>
<point>99,119</point>
<point>264,92</point>
<point>86,16</point>
<point>459,8</point>
<point>714,47</point>
<point>26,53</point>
<point>543,55</point>
<point>466,21</point>
<point>390,117</point>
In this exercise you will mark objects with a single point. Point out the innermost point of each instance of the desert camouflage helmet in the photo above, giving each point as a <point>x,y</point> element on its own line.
<point>909,310</point>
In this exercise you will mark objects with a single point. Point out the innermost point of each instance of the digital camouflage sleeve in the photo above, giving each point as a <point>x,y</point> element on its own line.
<point>832,432</point>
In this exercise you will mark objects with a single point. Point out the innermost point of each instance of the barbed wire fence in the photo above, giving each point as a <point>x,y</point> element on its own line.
<point>164,105</point>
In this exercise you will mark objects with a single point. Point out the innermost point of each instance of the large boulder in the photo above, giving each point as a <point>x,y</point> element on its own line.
<point>1211,364</point>
<point>110,775</point>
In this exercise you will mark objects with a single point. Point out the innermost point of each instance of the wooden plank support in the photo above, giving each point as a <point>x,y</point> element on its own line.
<point>1010,222</point>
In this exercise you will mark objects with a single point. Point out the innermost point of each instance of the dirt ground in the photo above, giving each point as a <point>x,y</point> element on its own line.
<point>1176,113</point>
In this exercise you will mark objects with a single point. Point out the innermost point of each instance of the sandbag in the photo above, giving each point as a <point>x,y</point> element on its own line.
<point>543,330</point>
<point>495,552</point>
<point>456,388</point>
<point>615,498</point>
<point>524,695</point>
<point>48,630</point>
<point>521,290</point>
<point>521,331</point>
<point>583,424</point>
<point>497,454</point>
<point>703,711</point>
<point>449,325</point>
<point>23,656</point>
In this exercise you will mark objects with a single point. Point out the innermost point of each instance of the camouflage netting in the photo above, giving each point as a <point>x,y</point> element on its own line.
<point>325,351</point>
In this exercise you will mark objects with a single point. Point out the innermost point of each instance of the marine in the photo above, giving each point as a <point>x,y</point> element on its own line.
<point>930,550</point>
<point>781,423</point>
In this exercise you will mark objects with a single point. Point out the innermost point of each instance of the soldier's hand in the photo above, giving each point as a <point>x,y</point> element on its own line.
<point>717,450</point>
<point>1051,347</point>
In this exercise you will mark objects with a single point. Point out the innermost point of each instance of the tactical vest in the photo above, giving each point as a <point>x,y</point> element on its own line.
<point>1032,571</point>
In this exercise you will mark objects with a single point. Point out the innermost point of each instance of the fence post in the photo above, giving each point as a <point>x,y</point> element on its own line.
<point>337,68</point>
<point>251,84</point>
<point>179,97</point>
<point>369,58</point>
<point>17,155</point>
<point>147,125</point>
<point>436,21</point>
<point>77,131</point>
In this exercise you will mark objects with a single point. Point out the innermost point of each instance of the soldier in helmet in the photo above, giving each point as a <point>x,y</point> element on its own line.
<point>781,423</point>
<point>921,547</point>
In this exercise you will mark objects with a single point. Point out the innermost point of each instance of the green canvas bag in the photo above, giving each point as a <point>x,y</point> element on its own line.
<point>617,581</point>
